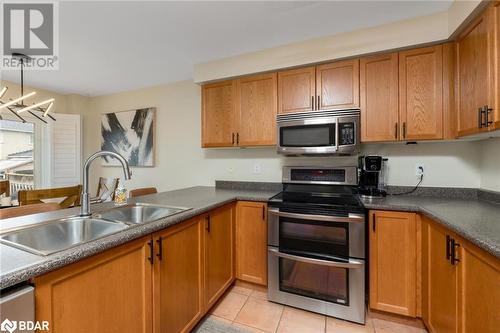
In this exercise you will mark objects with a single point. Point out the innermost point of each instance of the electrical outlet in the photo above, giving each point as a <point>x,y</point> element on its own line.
<point>257,168</point>
<point>419,169</point>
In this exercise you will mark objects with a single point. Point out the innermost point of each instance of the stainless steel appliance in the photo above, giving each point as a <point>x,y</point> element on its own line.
<point>319,132</point>
<point>316,243</point>
<point>17,304</point>
<point>372,176</point>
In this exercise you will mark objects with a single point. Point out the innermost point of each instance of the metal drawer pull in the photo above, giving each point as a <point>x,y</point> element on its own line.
<point>353,263</point>
<point>352,218</point>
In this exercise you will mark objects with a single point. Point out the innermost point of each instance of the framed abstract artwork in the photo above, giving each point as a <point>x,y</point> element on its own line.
<point>130,134</point>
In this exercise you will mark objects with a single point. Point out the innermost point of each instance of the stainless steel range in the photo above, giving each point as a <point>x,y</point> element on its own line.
<point>316,243</point>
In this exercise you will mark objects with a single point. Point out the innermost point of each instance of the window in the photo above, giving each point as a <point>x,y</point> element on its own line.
<point>16,155</point>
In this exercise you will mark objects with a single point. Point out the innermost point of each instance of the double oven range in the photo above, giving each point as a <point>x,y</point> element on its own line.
<point>316,243</point>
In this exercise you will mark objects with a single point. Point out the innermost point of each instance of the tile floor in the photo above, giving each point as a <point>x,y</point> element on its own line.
<point>245,309</point>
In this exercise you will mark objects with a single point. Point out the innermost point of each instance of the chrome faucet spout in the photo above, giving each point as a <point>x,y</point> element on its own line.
<point>85,207</point>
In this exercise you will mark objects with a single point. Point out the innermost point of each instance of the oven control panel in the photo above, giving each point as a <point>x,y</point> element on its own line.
<point>321,175</point>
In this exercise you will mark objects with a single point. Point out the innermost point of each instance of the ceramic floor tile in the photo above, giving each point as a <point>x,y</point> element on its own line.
<point>230,305</point>
<point>385,326</point>
<point>295,320</point>
<point>259,294</point>
<point>242,290</point>
<point>260,314</point>
<point>341,326</point>
<point>245,328</point>
<point>213,324</point>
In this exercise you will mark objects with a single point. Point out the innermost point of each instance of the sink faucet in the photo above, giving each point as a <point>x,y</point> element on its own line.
<point>85,208</point>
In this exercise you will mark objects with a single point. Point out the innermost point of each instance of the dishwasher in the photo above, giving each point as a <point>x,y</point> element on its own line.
<point>17,304</point>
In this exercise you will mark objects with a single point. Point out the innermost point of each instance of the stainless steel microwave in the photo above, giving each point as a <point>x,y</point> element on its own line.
<point>319,132</point>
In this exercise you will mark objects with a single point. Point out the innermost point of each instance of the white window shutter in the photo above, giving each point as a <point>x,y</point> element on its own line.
<point>66,150</point>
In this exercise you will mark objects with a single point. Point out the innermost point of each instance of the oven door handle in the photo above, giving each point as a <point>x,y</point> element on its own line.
<point>353,263</point>
<point>351,218</point>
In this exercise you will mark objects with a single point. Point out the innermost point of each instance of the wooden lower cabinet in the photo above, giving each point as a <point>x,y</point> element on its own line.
<point>251,242</point>
<point>108,292</point>
<point>219,253</point>
<point>178,277</point>
<point>439,279</point>
<point>393,262</point>
<point>478,290</point>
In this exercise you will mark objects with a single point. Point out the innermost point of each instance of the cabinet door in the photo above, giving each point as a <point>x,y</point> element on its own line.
<point>337,85</point>
<point>251,242</point>
<point>393,263</point>
<point>178,279</point>
<point>440,281</point>
<point>379,98</point>
<point>495,56</point>
<point>256,107</point>
<point>219,249</point>
<point>474,74</point>
<point>109,292</point>
<point>479,286</point>
<point>218,117</point>
<point>296,90</point>
<point>421,93</point>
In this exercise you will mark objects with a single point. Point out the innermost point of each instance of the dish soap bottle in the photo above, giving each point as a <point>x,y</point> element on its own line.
<point>120,195</point>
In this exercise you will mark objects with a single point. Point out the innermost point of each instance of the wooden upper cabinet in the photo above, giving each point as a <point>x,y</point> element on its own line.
<point>218,116</point>
<point>256,108</point>
<point>421,93</point>
<point>337,85</point>
<point>108,292</point>
<point>393,262</point>
<point>178,277</point>
<point>296,90</point>
<point>475,72</point>
<point>219,253</point>
<point>439,280</point>
<point>251,242</point>
<point>379,98</point>
<point>495,19</point>
<point>479,290</point>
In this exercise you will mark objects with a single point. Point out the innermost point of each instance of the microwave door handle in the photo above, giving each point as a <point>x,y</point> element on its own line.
<point>337,134</point>
<point>352,263</point>
<point>351,218</point>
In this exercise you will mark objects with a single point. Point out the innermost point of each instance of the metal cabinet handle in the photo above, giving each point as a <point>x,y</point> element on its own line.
<point>352,263</point>
<point>263,212</point>
<point>404,130</point>
<point>318,103</point>
<point>374,225</point>
<point>480,117</point>
<point>207,228</point>
<point>151,252</point>
<point>160,248</point>
<point>312,103</point>
<point>238,139</point>
<point>232,142</point>
<point>454,260</point>
<point>351,218</point>
<point>487,111</point>
<point>396,128</point>
<point>448,247</point>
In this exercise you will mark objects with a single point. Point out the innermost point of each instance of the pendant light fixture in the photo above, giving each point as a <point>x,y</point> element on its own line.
<point>16,106</point>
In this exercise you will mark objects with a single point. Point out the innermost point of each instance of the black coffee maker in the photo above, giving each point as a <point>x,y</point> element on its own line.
<point>372,176</point>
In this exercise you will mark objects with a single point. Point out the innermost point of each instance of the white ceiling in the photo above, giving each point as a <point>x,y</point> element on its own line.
<point>106,47</point>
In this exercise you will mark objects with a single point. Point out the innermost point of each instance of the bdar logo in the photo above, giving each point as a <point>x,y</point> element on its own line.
<point>8,326</point>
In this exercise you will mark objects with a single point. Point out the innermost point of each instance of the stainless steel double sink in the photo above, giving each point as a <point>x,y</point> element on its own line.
<point>58,235</point>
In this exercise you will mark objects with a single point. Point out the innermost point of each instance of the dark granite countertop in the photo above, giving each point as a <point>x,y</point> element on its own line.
<point>475,220</point>
<point>17,266</point>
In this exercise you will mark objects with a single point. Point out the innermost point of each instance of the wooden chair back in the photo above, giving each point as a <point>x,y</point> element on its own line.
<point>5,187</point>
<point>71,196</point>
<point>142,191</point>
<point>28,209</point>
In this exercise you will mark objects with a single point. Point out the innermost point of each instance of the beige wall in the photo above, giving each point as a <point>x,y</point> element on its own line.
<point>420,30</point>
<point>490,164</point>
